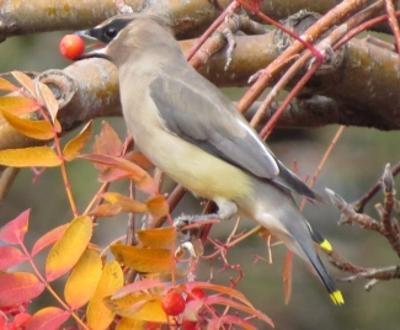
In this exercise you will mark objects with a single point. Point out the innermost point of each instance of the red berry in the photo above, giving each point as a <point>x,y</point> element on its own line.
<point>173,303</point>
<point>196,293</point>
<point>71,46</point>
<point>189,325</point>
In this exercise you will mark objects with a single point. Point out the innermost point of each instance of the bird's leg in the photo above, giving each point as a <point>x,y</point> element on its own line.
<point>226,208</point>
<point>226,211</point>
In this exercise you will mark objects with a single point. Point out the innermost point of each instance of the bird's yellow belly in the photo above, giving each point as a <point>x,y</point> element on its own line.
<point>195,169</point>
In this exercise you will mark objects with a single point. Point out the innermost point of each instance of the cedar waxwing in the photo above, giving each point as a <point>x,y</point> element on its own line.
<point>194,134</point>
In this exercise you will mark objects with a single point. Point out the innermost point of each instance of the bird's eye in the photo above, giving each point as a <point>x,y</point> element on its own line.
<point>110,33</point>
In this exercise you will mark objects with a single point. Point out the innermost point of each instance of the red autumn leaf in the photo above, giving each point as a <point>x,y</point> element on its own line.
<point>141,178</point>
<point>220,300</point>
<point>20,321</point>
<point>252,5</point>
<point>18,288</point>
<point>10,256</point>
<point>232,293</point>
<point>49,238</point>
<point>49,318</point>
<point>113,174</point>
<point>287,276</point>
<point>218,322</point>
<point>107,142</point>
<point>14,231</point>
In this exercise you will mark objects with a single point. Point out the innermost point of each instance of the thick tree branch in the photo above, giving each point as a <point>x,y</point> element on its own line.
<point>189,17</point>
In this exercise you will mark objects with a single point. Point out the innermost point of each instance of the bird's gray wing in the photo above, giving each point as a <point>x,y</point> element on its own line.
<point>202,116</point>
<point>197,111</point>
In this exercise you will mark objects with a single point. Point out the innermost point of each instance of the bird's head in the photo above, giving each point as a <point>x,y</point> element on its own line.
<point>128,35</point>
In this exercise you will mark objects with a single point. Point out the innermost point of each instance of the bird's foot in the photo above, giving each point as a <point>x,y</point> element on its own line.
<point>187,220</point>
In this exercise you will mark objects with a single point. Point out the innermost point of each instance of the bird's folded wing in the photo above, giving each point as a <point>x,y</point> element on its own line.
<point>204,117</point>
<point>198,112</point>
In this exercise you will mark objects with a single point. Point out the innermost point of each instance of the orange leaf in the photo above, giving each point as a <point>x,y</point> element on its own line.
<point>48,99</point>
<point>5,85</point>
<point>18,288</point>
<point>13,232</point>
<point>17,105</point>
<point>67,251</point>
<point>98,315</point>
<point>143,260</point>
<point>107,141</point>
<point>25,81</point>
<point>161,238</point>
<point>127,204</point>
<point>110,174</point>
<point>10,256</point>
<point>142,179</point>
<point>35,129</point>
<point>29,157</point>
<point>138,306</point>
<point>140,159</point>
<point>82,282</point>
<point>158,207</point>
<point>49,239</point>
<point>287,276</point>
<point>106,210</point>
<point>48,318</point>
<point>74,146</point>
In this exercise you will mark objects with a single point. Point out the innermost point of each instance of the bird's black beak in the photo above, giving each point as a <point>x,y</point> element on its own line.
<point>90,34</point>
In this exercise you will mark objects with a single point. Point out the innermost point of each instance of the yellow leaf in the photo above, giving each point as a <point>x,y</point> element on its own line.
<point>29,157</point>
<point>161,238</point>
<point>25,81</point>
<point>127,204</point>
<point>129,324</point>
<point>82,282</point>
<point>138,306</point>
<point>74,146</point>
<point>158,207</point>
<point>48,99</point>
<point>143,260</point>
<point>35,129</point>
<point>98,315</point>
<point>67,251</point>
<point>5,85</point>
<point>18,105</point>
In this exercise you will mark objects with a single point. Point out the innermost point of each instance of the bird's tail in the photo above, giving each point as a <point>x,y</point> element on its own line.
<point>335,294</point>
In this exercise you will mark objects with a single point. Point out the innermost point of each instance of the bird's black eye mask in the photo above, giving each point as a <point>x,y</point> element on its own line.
<point>106,33</point>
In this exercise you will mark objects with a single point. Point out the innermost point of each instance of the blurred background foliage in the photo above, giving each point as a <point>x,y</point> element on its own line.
<point>356,163</point>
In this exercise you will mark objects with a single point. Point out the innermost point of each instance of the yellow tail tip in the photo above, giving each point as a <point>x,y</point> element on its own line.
<point>325,245</point>
<point>337,298</point>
